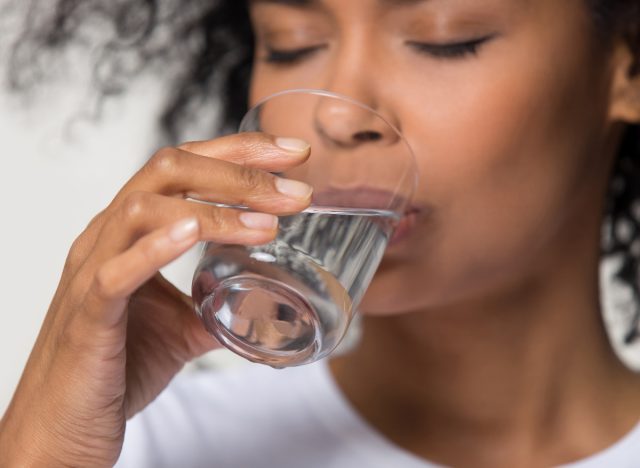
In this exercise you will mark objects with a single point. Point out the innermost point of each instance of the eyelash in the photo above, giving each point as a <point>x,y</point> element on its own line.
<point>453,51</point>
<point>286,57</point>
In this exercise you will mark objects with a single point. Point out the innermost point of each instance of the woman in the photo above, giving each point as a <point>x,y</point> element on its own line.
<point>482,340</point>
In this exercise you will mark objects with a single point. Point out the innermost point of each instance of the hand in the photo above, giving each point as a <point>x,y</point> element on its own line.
<point>117,331</point>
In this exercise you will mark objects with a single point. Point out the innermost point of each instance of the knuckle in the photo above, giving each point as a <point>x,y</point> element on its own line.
<point>252,179</point>
<point>134,205</point>
<point>83,244</point>
<point>217,219</point>
<point>102,285</point>
<point>164,161</point>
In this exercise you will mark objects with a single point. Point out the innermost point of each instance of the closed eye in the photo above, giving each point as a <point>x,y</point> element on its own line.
<point>284,57</point>
<point>452,50</point>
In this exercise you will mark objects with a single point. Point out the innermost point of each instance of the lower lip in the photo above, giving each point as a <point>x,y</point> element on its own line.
<point>404,228</point>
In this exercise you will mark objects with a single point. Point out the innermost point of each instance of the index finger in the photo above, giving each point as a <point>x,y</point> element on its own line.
<point>258,150</point>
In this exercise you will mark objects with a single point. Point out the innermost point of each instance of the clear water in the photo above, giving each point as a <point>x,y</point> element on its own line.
<point>290,301</point>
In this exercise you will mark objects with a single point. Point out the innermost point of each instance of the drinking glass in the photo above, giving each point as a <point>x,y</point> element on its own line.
<point>289,302</point>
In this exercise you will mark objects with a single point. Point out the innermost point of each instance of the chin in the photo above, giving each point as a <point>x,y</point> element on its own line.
<point>390,294</point>
<point>418,284</point>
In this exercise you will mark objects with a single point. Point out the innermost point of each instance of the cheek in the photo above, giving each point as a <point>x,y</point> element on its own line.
<point>504,159</point>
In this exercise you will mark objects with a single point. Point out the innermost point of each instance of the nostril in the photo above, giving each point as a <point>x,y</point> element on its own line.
<point>366,136</point>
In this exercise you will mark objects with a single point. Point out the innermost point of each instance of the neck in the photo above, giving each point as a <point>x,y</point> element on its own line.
<point>522,377</point>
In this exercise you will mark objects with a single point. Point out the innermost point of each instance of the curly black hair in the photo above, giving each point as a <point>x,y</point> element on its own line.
<point>206,47</point>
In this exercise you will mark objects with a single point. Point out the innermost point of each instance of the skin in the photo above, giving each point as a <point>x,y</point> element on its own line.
<point>505,253</point>
<point>493,295</point>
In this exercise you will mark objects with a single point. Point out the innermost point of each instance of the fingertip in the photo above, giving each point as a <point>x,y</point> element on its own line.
<point>293,145</point>
<point>249,237</point>
<point>189,145</point>
<point>295,189</point>
<point>259,221</point>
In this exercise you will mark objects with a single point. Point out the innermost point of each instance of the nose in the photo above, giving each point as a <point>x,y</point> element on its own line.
<point>348,124</point>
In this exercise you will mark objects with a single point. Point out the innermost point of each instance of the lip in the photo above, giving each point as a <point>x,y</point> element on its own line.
<point>405,226</point>
<point>374,198</point>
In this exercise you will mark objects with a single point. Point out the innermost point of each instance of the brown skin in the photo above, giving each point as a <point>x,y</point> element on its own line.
<point>483,342</point>
<point>504,359</point>
<point>117,332</point>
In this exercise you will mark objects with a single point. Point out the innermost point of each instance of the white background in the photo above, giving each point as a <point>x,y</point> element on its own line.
<point>54,177</point>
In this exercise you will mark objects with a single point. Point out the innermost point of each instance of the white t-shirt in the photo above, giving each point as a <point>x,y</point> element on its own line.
<point>256,416</point>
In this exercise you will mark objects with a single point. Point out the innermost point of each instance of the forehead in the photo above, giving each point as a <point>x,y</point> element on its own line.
<point>315,4</point>
<point>469,10</point>
<point>311,3</point>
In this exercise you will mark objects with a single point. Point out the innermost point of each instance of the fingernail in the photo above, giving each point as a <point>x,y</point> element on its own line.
<point>183,230</point>
<point>292,144</point>
<point>293,188</point>
<point>260,221</point>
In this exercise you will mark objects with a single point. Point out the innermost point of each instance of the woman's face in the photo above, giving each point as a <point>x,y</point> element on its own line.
<point>505,103</point>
